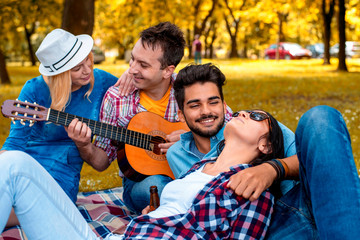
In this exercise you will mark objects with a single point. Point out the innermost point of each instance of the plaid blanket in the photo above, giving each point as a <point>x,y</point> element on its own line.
<point>104,211</point>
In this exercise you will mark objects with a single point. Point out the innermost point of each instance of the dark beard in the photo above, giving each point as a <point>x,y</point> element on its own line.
<point>206,133</point>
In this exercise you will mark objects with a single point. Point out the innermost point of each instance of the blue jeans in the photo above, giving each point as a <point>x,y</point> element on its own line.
<point>136,195</point>
<point>197,57</point>
<point>42,207</point>
<point>326,202</point>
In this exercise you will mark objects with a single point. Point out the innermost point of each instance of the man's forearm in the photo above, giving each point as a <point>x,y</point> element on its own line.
<point>293,167</point>
<point>94,156</point>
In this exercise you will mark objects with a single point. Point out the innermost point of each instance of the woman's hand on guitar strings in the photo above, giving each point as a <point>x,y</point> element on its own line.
<point>79,132</point>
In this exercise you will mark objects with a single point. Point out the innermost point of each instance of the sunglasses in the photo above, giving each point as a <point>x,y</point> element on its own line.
<point>254,115</point>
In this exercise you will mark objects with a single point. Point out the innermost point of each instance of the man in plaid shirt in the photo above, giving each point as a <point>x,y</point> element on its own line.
<point>153,61</point>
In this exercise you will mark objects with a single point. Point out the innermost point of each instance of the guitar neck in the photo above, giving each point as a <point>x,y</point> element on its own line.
<point>124,135</point>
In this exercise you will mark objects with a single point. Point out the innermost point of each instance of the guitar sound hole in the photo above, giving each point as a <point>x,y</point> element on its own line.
<point>156,140</point>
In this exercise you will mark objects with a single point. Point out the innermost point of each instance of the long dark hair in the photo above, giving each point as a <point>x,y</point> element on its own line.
<point>274,138</point>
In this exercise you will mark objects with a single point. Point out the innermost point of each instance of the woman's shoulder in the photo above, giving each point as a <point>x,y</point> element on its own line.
<point>103,80</point>
<point>39,80</point>
<point>35,84</point>
<point>35,90</point>
<point>99,73</point>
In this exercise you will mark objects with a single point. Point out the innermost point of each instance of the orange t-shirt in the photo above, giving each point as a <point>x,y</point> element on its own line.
<point>159,106</point>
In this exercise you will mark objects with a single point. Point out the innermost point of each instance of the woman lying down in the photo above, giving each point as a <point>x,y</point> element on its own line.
<point>196,206</point>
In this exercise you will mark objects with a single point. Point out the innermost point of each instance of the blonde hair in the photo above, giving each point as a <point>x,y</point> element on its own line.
<point>60,87</point>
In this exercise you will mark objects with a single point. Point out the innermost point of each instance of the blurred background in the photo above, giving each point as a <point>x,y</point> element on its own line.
<point>249,29</point>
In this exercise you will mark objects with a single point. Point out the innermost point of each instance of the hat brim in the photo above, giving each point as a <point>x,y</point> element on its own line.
<point>83,52</point>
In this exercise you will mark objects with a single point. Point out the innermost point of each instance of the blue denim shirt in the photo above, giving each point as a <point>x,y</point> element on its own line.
<point>48,143</point>
<point>181,159</point>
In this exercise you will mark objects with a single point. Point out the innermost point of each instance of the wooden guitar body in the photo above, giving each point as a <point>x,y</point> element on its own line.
<point>145,161</point>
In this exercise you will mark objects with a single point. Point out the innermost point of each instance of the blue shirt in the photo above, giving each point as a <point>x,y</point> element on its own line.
<point>48,143</point>
<point>181,158</point>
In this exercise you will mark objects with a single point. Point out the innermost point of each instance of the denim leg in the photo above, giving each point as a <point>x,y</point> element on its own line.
<point>328,173</point>
<point>326,203</point>
<point>292,219</point>
<point>137,194</point>
<point>42,207</point>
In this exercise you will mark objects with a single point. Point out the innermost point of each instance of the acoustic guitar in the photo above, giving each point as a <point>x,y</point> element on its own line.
<point>142,137</point>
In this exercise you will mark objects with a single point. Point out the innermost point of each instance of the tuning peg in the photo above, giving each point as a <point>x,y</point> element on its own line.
<point>31,123</point>
<point>22,122</point>
<point>13,120</point>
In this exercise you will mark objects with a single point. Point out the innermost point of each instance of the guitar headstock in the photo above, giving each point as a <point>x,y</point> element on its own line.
<point>18,110</point>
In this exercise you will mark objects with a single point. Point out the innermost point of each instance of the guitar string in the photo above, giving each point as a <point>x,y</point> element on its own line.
<point>92,123</point>
<point>67,118</point>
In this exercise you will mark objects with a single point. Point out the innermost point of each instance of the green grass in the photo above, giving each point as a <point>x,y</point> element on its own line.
<point>286,89</point>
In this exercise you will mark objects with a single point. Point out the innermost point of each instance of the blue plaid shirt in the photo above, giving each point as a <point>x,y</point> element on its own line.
<point>216,213</point>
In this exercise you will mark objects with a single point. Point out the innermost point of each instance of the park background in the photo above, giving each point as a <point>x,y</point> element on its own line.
<point>234,36</point>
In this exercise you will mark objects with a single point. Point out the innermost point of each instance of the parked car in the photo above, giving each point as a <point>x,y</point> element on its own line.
<point>352,49</point>
<point>287,51</point>
<point>99,55</point>
<point>317,50</point>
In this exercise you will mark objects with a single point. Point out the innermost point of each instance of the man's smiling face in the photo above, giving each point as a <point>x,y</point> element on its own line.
<point>203,109</point>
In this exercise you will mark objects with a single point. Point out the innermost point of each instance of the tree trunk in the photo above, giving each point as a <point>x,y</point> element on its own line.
<point>244,54</point>
<point>234,49</point>
<point>278,40</point>
<point>196,29</point>
<point>4,75</point>
<point>31,50</point>
<point>211,54</point>
<point>342,37</point>
<point>189,45</point>
<point>327,17</point>
<point>204,23</point>
<point>233,37</point>
<point>210,36</point>
<point>206,43</point>
<point>78,16</point>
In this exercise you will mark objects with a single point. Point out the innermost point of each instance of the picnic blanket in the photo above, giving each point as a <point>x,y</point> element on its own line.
<point>104,211</point>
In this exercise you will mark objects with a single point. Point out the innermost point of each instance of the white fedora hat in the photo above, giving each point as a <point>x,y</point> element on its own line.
<point>60,51</point>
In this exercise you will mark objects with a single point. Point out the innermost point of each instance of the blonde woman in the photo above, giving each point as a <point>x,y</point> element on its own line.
<point>67,83</point>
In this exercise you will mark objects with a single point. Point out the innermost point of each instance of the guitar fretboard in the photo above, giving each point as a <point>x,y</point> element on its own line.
<point>124,135</point>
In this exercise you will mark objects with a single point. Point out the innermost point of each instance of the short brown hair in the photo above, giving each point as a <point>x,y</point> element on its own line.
<point>171,40</point>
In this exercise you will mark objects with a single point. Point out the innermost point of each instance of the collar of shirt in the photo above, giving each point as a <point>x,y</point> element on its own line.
<point>171,109</point>
<point>233,169</point>
<point>188,137</point>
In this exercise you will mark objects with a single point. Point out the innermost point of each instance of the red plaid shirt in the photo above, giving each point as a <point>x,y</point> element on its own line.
<point>118,111</point>
<point>216,213</point>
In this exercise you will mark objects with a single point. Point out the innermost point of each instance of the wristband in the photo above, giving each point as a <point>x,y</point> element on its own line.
<point>279,168</point>
<point>286,168</point>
